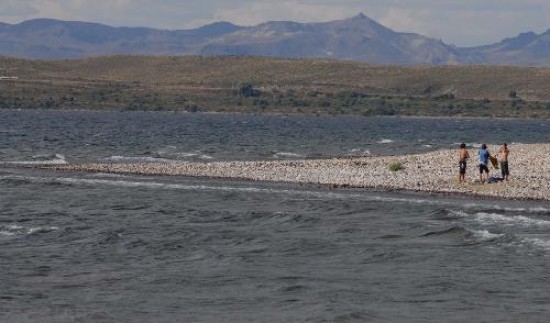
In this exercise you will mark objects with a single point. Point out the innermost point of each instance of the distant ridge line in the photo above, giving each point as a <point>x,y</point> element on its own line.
<point>358,38</point>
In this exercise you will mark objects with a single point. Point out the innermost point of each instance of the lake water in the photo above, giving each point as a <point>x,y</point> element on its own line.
<point>78,247</point>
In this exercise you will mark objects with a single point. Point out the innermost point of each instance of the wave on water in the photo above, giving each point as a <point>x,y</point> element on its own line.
<point>465,235</point>
<point>185,155</point>
<point>110,175</point>
<point>159,158</point>
<point>56,159</point>
<point>482,212</point>
<point>538,242</point>
<point>160,185</point>
<point>506,220</point>
<point>385,141</point>
<point>512,220</point>
<point>486,236</point>
<point>452,230</point>
<point>13,230</point>
<point>358,151</point>
<point>478,206</point>
<point>113,181</point>
<point>166,150</point>
<point>173,153</point>
<point>144,159</point>
<point>125,181</point>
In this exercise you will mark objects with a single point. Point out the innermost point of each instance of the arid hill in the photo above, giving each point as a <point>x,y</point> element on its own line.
<point>249,84</point>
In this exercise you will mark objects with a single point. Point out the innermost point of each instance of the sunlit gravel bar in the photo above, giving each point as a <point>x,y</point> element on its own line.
<point>430,172</point>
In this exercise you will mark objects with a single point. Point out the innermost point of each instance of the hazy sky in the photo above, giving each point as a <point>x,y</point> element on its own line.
<point>459,22</point>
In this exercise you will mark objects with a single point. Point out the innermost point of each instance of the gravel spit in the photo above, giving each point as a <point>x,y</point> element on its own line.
<point>431,172</point>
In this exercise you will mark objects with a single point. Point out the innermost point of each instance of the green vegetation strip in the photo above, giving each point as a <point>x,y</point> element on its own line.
<point>268,85</point>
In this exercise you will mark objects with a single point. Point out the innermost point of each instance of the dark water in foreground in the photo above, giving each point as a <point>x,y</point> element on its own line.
<point>105,248</point>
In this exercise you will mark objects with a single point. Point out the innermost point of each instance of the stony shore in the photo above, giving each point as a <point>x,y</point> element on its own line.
<point>431,172</point>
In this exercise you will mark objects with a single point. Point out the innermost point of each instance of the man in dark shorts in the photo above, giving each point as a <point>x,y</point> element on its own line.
<point>483,163</point>
<point>503,159</point>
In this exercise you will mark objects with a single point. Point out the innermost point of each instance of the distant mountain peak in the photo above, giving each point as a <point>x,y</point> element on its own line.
<point>358,38</point>
<point>222,27</point>
<point>360,16</point>
<point>362,20</point>
<point>527,35</point>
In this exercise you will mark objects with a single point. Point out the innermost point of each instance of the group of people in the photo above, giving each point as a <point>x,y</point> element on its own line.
<point>484,157</point>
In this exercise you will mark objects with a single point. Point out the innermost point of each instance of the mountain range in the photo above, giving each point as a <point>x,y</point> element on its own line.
<point>357,38</point>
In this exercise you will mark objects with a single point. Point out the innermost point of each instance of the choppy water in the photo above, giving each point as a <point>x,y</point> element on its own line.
<point>110,248</point>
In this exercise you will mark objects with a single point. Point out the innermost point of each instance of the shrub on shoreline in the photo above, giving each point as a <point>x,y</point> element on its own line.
<point>395,167</point>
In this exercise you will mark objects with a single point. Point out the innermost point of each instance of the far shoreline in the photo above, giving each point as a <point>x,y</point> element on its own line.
<point>281,114</point>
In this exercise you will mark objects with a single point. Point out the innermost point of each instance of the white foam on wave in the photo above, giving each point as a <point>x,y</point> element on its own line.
<point>509,209</point>
<point>496,218</point>
<point>359,151</point>
<point>461,214</point>
<point>146,159</point>
<point>173,152</point>
<point>410,200</point>
<point>110,175</point>
<point>384,141</point>
<point>152,185</point>
<point>10,230</point>
<point>123,182</point>
<point>17,230</point>
<point>155,159</point>
<point>485,235</point>
<point>166,149</point>
<point>538,242</point>
<point>186,155</point>
<point>111,180</point>
<point>56,159</point>
<point>517,219</point>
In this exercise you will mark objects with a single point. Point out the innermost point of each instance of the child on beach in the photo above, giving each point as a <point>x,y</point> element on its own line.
<point>483,163</point>
<point>463,155</point>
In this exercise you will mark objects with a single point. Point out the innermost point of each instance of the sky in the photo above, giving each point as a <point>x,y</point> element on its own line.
<point>459,22</point>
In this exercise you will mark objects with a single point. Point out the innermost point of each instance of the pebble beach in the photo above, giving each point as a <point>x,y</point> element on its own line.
<point>435,171</point>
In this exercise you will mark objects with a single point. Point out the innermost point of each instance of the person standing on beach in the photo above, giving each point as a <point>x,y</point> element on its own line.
<point>503,159</point>
<point>463,155</point>
<point>483,163</point>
